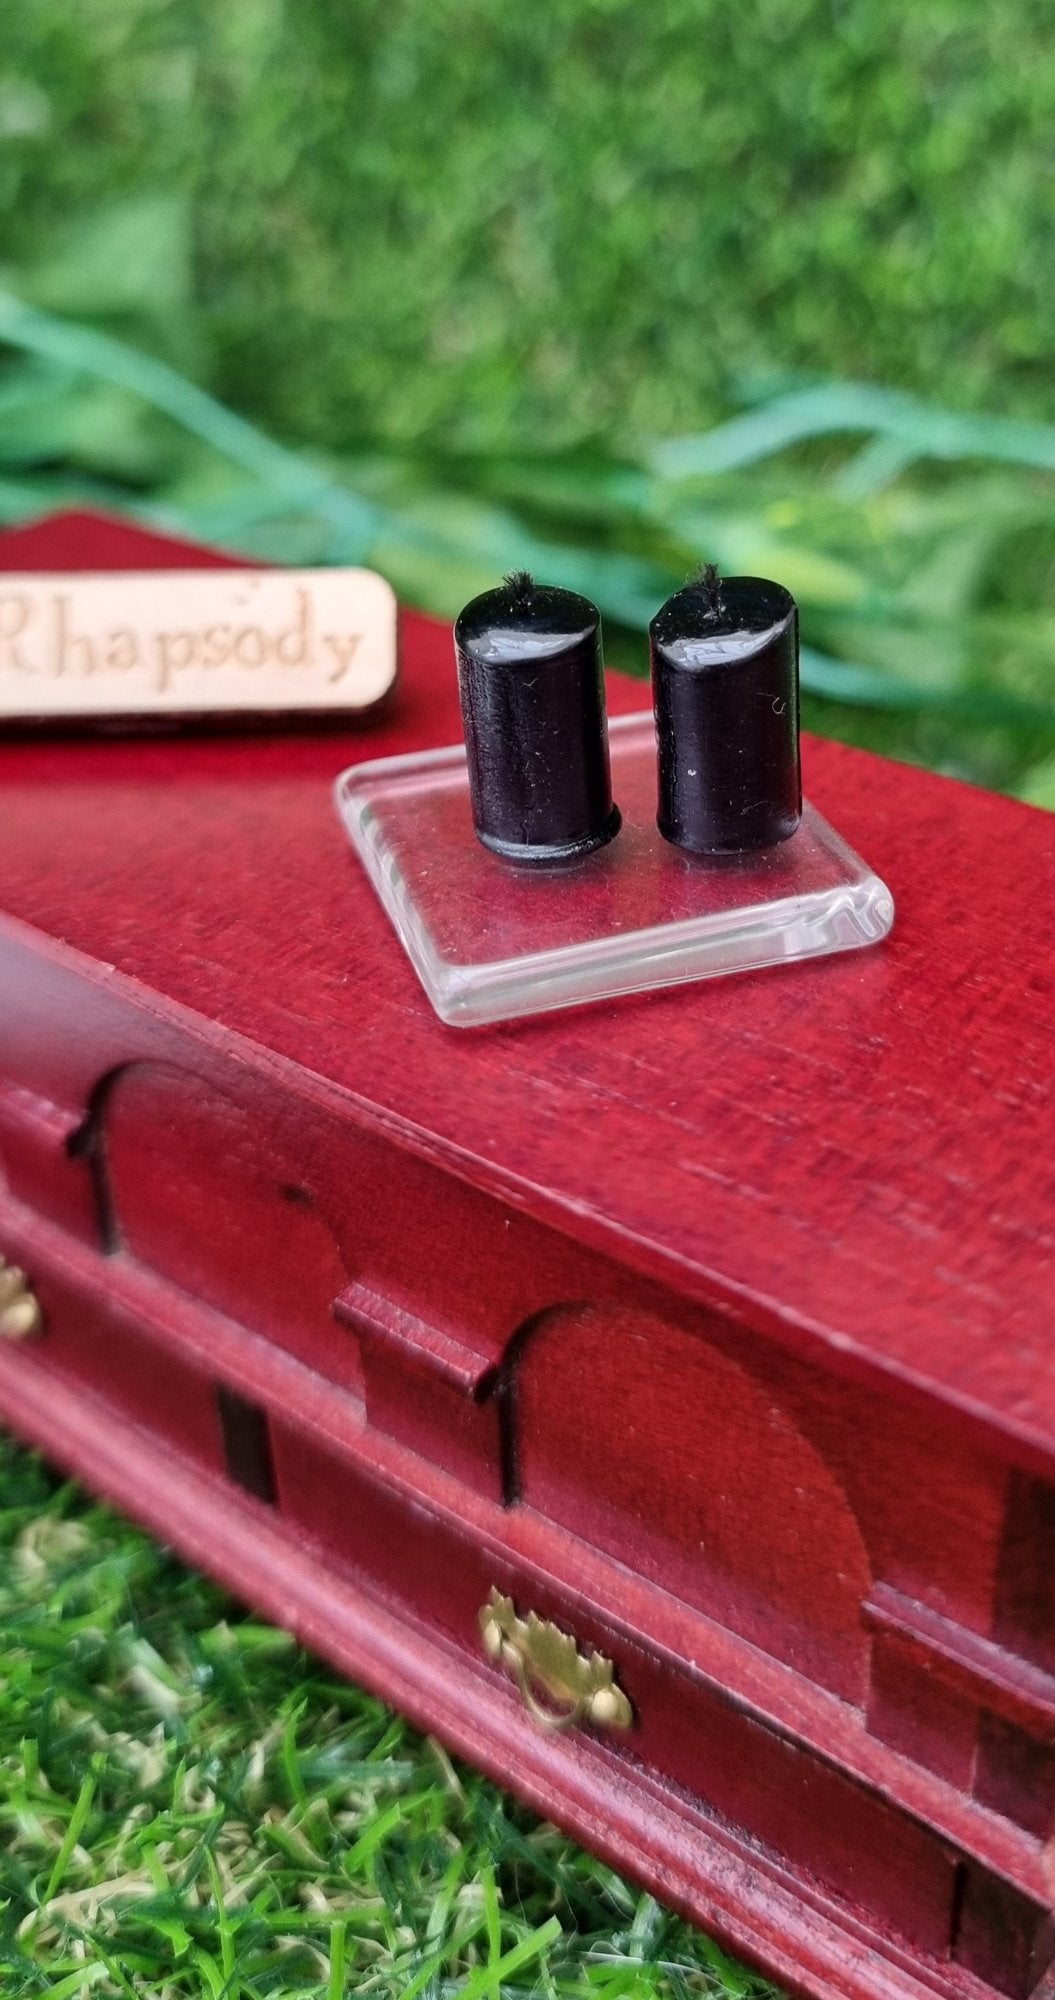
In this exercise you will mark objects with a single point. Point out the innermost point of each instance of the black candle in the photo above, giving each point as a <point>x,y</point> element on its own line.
<point>531,680</point>
<point>725,683</point>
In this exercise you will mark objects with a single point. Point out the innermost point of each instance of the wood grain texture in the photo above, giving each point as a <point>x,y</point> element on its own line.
<point>713,1326</point>
<point>140,649</point>
<point>855,1153</point>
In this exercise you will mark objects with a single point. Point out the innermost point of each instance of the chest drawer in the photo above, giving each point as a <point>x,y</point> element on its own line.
<point>841,1842</point>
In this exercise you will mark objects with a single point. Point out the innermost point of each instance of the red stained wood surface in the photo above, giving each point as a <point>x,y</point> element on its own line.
<point>857,1151</point>
<point>714,1326</point>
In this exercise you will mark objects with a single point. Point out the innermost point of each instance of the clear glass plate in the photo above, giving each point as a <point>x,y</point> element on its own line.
<point>491,940</point>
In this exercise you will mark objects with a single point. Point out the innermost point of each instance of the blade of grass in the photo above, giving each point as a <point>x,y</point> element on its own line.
<point>70,1988</point>
<point>486,1982</point>
<point>88,351</point>
<point>837,408</point>
<point>492,1916</point>
<point>338,1942</point>
<point>842,680</point>
<point>75,1826</point>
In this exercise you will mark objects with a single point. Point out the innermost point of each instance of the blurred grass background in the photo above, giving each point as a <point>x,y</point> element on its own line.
<point>499,279</point>
<point>452,286</point>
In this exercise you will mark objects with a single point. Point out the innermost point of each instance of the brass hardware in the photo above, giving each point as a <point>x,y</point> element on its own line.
<point>539,1655</point>
<point>20,1314</point>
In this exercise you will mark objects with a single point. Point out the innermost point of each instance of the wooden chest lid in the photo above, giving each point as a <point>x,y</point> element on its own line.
<point>855,1153</point>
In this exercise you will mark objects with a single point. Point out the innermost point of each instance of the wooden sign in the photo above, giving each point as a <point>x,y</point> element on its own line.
<point>139,646</point>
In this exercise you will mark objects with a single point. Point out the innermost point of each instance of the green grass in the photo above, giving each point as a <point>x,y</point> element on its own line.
<point>191,1806</point>
<point>492,274</point>
<point>920,543</point>
<point>580,222</point>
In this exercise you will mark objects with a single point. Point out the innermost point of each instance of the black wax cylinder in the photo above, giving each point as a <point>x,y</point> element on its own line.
<point>725,684</point>
<point>531,680</point>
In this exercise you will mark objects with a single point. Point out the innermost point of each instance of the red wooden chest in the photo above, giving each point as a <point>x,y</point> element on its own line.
<point>714,1329</point>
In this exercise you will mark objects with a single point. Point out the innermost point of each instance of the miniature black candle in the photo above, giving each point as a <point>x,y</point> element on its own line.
<point>725,683</point>
<point>531,680</point>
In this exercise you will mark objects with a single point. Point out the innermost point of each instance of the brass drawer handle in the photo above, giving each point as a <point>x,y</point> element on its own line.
<point>539,1655</point>
<point>20,1314</point>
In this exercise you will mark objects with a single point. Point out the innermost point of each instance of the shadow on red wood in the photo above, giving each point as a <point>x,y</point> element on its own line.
<point>708,1329</point>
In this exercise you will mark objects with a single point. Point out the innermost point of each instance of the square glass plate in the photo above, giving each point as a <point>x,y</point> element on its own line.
<point>491,940</point>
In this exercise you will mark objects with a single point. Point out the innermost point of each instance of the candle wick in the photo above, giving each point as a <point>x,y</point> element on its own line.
<point>520,585</point>
<point>708,582</point>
